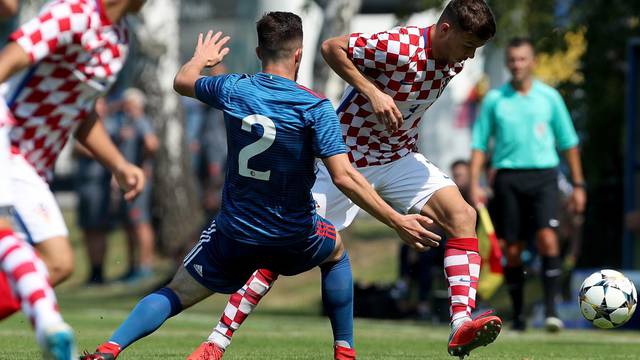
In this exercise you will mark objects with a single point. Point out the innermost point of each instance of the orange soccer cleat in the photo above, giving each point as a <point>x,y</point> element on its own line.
<point>207,351</point>
<point>481,331</point>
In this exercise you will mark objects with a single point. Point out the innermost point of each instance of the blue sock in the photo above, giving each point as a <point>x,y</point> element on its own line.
<point>337,298</point>
<point>147,316</point>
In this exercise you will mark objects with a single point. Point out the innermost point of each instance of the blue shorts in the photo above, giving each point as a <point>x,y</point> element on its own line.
<point>224,265</point>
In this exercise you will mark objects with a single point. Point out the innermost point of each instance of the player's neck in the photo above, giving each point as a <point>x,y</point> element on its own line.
<point>115,10</point>
<point>281,70</point>
<point>522,86</point>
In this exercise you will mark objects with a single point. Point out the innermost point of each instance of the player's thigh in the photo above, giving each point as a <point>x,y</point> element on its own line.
<point>38,215</point>
<point>508,207</point>
<point>409,183</point>
<point>189,290</point>
<point>331,203</point>
<point>57,253</point>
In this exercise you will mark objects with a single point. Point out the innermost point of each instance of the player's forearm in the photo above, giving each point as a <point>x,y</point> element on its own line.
<point>334,51</point>
<point>185,80</point>
<point>475,166</point>
<point>8,8</point>
<point>572,155</point>
<point>356,188</point>
<point>94,137</point>
<point>13,59</point>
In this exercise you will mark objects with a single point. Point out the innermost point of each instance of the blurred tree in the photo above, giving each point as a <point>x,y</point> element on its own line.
<point>176,205</point>
<point>337,18</point>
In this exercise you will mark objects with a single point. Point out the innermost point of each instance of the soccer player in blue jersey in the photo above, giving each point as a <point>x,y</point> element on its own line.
<point>275,130</point>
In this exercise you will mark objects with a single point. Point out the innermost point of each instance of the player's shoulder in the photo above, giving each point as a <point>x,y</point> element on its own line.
<point>494,95</point>
<point>546,89</point>
<point>309,94</point>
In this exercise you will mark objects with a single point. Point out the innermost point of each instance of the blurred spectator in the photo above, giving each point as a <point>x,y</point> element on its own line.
<point>527,121</point>
<point>92,183</point>
<point>135,137</point>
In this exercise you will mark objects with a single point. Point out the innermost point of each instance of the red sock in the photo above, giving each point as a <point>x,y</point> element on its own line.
<point>9,303</point>
<point>462,269</point>
<point>241,304</point>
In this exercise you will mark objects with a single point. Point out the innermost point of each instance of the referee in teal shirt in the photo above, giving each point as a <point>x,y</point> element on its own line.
<point>528,122</point>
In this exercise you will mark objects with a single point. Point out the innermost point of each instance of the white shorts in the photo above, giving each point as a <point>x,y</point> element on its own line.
<point>5,182</point>
<point>405,184</point>
<point>38,215</point>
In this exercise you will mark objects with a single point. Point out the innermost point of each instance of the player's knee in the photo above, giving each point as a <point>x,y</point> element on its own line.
<point>60,269</point>
<point>462,220</point>
<point>513,254</point>
<point>547,242</point>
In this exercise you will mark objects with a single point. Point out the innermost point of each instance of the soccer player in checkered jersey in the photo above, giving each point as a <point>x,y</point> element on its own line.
<point>394,78</point>
<point>275,131</point>
<point>57,64</point>
<point>26,274</point>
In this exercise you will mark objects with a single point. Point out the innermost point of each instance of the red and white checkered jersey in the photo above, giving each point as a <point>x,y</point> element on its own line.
<point>399,62</point>
<point>5,115</point>
<point>76,54</point>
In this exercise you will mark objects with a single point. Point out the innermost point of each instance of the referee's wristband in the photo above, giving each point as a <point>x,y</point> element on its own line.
<point>580,184</point>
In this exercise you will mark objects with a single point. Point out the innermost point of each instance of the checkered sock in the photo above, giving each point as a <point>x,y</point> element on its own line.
<point>28,277</point>
<point>240,305</point>
<point>462,269</point>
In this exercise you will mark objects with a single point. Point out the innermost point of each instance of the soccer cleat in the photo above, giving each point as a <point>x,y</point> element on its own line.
<point>481,331</point>
<point>58,343</point>
<point>553,324</point>
<point>207,351</point>
<point>106,351</point>
<point>343,353</point>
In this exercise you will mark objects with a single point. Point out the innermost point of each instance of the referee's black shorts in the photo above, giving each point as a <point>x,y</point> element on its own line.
<point>524,202</point>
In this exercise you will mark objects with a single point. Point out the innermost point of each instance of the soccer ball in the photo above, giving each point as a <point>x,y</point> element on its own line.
<point>607,299</point>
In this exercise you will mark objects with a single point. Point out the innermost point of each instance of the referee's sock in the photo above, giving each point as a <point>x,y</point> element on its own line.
<point>514,277</point>
<point>551,271</point>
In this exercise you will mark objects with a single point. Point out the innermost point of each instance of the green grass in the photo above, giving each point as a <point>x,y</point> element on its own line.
<point>287,324</point>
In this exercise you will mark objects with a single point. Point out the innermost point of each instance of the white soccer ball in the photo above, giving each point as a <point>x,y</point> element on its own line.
<point>607,299</point>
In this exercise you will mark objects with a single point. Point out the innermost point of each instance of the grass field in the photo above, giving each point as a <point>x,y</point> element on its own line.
<point>287,324</point>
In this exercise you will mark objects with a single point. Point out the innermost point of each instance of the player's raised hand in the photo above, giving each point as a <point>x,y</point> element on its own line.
<point>131,180</point>
<point>210,49</point>
<point>386,110</point>
<point>412,231</point>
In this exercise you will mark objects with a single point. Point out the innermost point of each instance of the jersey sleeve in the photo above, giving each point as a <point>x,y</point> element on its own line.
<point>55,26</point>
<point>483,126</point>
<point>384,51</point>
<point>326,131</point>
<point>561,124</point>
<point>215,90</point>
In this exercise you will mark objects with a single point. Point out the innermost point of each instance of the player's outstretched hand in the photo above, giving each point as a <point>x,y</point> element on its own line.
<point>210,49</point>
<point>386,110</point>
<point>413,232</point>
<point>131,180</point>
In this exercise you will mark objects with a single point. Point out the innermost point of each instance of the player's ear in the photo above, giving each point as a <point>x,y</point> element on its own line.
<point>258,53</point>
<point>298,55</point>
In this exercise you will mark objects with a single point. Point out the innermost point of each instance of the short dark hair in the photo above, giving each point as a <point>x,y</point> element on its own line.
<point>459,162</point>
<point>278,34</point>
<point>473,16</point>
<point>520,41</point>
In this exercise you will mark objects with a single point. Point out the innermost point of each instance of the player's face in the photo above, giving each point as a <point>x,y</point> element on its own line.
<point>459,46</point>
<point>460,175</point>
<point>520,62</point>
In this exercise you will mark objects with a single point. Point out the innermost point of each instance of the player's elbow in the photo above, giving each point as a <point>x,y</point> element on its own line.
<point>180,85</point>
<point>328,48</point>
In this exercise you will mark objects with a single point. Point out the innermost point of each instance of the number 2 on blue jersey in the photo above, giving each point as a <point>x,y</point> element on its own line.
<point>258,147</point>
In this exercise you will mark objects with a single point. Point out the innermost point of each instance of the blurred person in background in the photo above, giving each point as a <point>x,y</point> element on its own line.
<point>527,120</point>
<point>135,137</point>
<point>93,187</point>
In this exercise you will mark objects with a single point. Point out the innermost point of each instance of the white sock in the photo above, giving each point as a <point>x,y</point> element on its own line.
<point>459,321</point>
<point>342,343</point>
<point>219,339</point>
